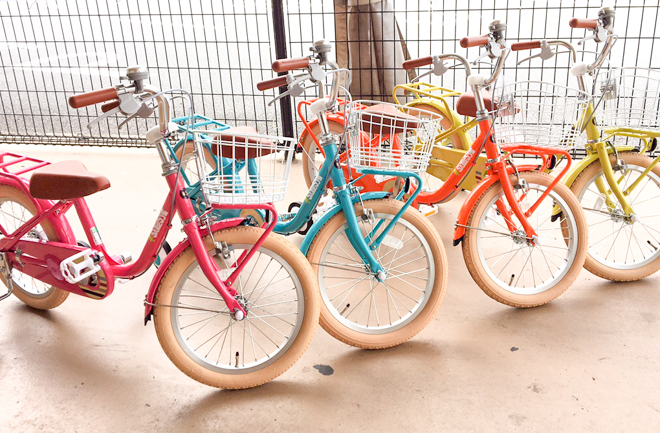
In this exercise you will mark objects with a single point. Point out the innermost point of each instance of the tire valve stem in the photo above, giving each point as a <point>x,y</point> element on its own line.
<point>654,247</point>
<point>344,310</point>
<point>237,355</point>
<point>511,280</point>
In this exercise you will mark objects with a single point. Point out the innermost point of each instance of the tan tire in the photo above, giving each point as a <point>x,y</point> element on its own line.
<point>15,209</point>
<point>311,158</point>
<point>205,341</point>
<point>398,308</point>
<point>619,249</point>
<point>513,270</point>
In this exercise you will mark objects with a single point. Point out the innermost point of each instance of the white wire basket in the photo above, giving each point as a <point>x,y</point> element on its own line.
<point>251,168</point>
<point>390,137</point>
<point>539,114</point>
<point>631,99</point>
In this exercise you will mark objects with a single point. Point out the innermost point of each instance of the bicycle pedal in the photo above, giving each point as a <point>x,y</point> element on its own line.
<point>428,210</point>
<point>79,266</point>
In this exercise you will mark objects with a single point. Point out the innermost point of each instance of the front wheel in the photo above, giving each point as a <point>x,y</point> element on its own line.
<point>203,339</point>
<point>358,309</point>
<point>518,271</point>
<point>622,249</point>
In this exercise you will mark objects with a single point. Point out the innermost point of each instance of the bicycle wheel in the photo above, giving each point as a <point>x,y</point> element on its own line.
<point>202,338</point>
<point>430,183</point>
<point>16,209</point>
<point>185,153</point>
<point>312,157</point>
<point>621,249</point>
<point>355,307</point>
<point>512,270</point>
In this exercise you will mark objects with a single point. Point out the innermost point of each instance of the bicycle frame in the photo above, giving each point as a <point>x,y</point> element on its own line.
<point>41,259</point>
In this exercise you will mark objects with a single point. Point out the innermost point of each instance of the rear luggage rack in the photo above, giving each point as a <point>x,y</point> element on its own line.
<point>14,165</point>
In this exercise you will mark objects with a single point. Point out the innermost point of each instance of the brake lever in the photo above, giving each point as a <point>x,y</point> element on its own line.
<point>144,111</point>
<point>103,116</point>
<point>439,69</point>
<point>599,35</point>
<point>295,87</point>
<point>545,53</point>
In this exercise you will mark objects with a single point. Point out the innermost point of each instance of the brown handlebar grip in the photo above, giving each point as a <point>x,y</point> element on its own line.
<point>583,23</point>
<point>528,45</point>
<point>416,63</point>
<point>284,65</point>
<point>273,83</point>
<point>474,41</point>
<point>91,98</point>
<point>109,106</point>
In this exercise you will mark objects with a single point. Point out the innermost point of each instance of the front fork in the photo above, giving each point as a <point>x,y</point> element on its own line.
<point>614,183</point>
<point>365,246</point>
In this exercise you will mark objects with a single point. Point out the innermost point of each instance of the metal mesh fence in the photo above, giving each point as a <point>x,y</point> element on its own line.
<point>219,50</point>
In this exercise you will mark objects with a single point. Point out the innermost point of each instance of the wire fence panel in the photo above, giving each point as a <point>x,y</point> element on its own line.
<point>50,50</point>
<point>219,50</point>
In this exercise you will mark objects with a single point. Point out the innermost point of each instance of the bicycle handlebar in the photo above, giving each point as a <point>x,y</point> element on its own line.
<point>94,97</point>
<point>272,83</point>
<point>285,65</point>
<point>527,45</point>
<point>475,41</point>
<point>416,63</point>
<point>583,23</point>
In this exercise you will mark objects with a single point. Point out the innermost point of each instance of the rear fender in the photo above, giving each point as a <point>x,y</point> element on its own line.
<point>169,259</point>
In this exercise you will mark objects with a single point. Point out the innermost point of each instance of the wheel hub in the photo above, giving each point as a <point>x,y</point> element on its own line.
<point>618,216</point>
<point>242,301</point>
<point>519,237</point>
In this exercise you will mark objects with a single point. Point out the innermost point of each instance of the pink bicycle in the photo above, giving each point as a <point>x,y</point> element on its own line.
<point>234,305</point>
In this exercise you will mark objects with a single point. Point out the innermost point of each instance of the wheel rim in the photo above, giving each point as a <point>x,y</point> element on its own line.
<point>375,307</point>
<point>14,215</point>
<point>626,244</point>
<point>519,267</point>
<point>212,338</point>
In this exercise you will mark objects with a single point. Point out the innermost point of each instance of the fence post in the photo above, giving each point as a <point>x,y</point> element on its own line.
<point>280,53</point>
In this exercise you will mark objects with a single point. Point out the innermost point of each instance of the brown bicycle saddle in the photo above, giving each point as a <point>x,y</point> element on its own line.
<point>66,180</point>
<point>240,147</point>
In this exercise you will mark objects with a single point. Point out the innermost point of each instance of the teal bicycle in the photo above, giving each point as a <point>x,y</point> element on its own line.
<point>381,265</point>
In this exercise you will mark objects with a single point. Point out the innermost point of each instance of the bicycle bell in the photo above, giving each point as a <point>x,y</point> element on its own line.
<point>321,48</point>
<point>137,74</point>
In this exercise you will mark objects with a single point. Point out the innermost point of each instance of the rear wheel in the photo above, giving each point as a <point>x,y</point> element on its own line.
<point>358,309</point>
<point>15,210</point>
<point>204,340</point>
<point>518,271</point>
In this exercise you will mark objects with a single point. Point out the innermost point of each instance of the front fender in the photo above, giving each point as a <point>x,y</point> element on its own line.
<point>313,231</point>
<point>585,162</point>
<point>474,196</point>
<point>162,269</point>
<point>332,117</point>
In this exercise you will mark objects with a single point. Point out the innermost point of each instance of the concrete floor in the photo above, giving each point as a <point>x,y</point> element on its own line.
<point>589,361</point>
